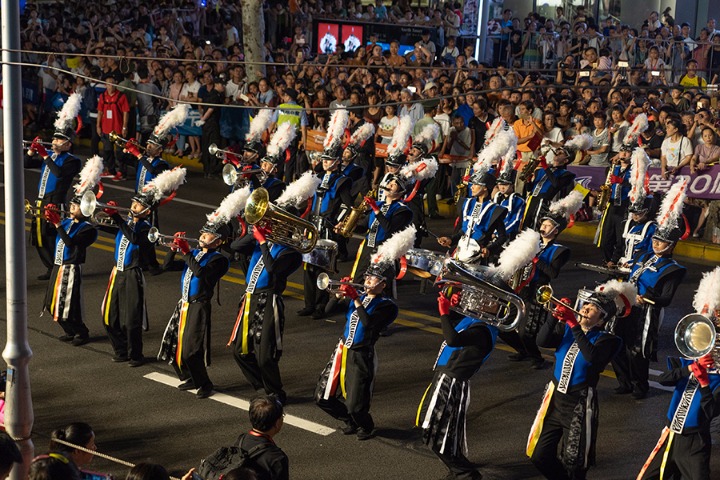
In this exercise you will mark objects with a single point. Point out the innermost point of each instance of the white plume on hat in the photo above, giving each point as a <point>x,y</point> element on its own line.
<point>496,126</point>
<point>300,190</point>
<point>336,128</point>
<point>518,254</point>
<point>281,139</point>
<point>511,153</point>
<point>494,151</point>
<point>672,206</point>
<point>171,119</point>
<point>707,296</point>
<point>230,207</point>
<point>396,246</point>
<point>360,136</point>
<point>639,125</point>
<point>259,124</point>
<point>581,142</point>
<point>638,169</point>
<point>165,183</point>
<point>69,112</point>
<point>623,293</point>
<point>400,137</point>
<point>420,170</point>
<point>569,205</point>
<point>428,134</point>
<point>90,175</point>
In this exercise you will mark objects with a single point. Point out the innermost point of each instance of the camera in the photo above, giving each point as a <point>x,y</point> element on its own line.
<point>577,120</point>
<point>623,64</point>
<point>562,65</point>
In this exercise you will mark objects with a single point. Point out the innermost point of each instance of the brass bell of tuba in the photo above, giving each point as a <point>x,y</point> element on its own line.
<point>283,227</point>
<point>696,336</point>
<point>480,298</point>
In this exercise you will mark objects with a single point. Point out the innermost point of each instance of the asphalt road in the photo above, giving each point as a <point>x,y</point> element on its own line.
<point>139,418</point>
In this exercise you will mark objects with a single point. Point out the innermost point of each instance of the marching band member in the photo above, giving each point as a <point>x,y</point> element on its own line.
<point>57,171</point>
<point>639,228</point>
<point>507,198</point>
<point>186,341</point>
<point>353,364</point>
<point>609,236</point>
<point>331,196</point>
<point>544,267</point>
<point>257,335</point>
<point>482,231</point>
<point>554,181</point>
<point>683,450</point>
<point>568,414</point>
<point>124,311</point>
<point>276,149</point>
<point>359,155</point>
<point>424,171</point>
<point>254,148</point>
<point>396,153</point>
<point>657,277</point>
<point>63,298</point>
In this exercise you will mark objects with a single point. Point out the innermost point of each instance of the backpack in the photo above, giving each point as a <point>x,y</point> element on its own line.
<point>225,459</point>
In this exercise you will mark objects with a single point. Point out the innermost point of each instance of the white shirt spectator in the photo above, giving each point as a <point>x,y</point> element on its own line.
<point>676,151</point>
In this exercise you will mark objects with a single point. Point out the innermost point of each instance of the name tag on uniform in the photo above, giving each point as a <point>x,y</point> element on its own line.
<point>108,114</point>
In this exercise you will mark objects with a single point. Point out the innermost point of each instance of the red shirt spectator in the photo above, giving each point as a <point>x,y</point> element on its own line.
<point>113,110</point>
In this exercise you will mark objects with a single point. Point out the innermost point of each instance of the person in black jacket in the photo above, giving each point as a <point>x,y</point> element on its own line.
<point>549,182</point>
<point>57,171</point>
<point>210,124</point>
<point>353,364</point>
<point>63,298</point>
<point>568,414</point>
<point>443,408</point>
<point>266,419</point>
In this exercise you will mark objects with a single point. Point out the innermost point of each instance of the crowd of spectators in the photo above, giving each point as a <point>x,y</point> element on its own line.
<point>571,73</point>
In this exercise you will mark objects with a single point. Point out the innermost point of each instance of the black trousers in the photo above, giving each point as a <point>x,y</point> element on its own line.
<point>261,363</point>
<point>210,134</point>
<point>688,459</point>
<point>195,339</point>
<point>42,237</point>
<point>314,297</point>
<point>612,233</point>
<point>64,292</point>
<point>459,466</point>
<point>124,313</point>
<point>359,377</point>
<point>631,368</point>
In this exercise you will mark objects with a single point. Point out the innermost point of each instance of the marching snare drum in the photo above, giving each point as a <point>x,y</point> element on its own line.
<point>424,263</point>
<point>324,255</point>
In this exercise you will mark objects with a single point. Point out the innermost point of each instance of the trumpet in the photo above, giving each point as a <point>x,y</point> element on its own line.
<point>333,286</point>
<point>89,206</point>
<point>213,149</point>
<point>234,177</point>
<point>156,237</point>
<point>544,296</point>
<point>122,142</point>
<point>38,210</point>
<point>283,227</point>
<point>27,143</point>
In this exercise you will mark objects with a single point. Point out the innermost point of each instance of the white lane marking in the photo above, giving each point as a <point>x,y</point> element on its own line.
<point>244,405</point>
<point>132,190</point>
<point>661,387</point>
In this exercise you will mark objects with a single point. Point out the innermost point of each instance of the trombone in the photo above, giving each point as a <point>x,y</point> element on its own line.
<point>38,210</point>
<point>89,206</point>
<point>122,142</point>
<point>544,296</point>
<point>333,286</point>
<point>156,237</point>
<point>213,149</point>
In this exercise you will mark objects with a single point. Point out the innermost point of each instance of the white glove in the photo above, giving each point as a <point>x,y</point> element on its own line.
<point>199,123</point>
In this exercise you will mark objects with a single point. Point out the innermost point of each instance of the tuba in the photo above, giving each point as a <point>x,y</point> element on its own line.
<point>283,227</point>
<point>348,224</point>
<point>480,298</point>
<point>696,336</point>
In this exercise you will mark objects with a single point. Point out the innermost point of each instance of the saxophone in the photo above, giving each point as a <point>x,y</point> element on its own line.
<point>605,191</point>
<point>528,170</point>
<point>348,224</point>
<point>461,189</point>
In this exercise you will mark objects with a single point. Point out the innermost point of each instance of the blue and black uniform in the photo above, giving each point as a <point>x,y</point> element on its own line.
<point>124,310</point>
<point>549,183</point>
<point>657,278</point>
<point>482,221</point>
<point>515,206</point>
<point>257,336</point>
<point>611,225</point>
<point>186,341</point>
<point>63,298</point>
<point>568,414</point>
<point>57,172</point>
<point>352,366</point>
<point>442,413</point>
<point>684,448</point>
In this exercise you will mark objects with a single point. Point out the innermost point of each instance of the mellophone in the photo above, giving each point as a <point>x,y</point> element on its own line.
<point>158,238</point>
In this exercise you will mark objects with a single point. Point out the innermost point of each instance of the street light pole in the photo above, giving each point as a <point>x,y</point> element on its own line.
<point>17,353</point>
